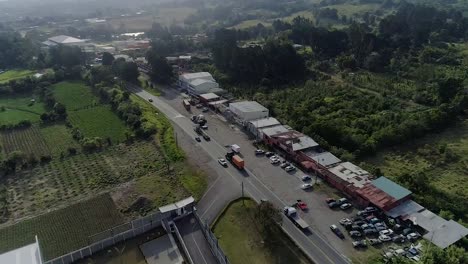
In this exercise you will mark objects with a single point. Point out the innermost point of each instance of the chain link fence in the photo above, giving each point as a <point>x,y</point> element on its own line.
<point>212,241</point>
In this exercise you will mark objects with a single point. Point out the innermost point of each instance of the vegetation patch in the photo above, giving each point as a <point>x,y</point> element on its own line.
<point>239,231</point>
<point>27,140</point>
<point>63,230</point>
<point>14,109</point>
<point>74,95</point>
<point>99,121</point>
<point>58,138</point>
<point>14,75</point>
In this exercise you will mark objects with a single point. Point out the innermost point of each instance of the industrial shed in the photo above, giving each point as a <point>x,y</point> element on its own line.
<point>255,126</point>
<point>248,110</point>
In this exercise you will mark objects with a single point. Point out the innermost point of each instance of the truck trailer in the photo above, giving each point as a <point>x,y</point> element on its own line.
<point>292,214</point>
<point>235,160</point>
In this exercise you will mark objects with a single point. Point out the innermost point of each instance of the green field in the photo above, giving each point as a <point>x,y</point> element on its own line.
<point>74,95</point>
<point>250,23</point>
<point>14,75</point>
<point>99,121</point>
<point>350,10</point>
<point>19,108</point>
<point>58,138</point>
<point>63,230</point>
<point>27,140</point>
<point>241,241</point>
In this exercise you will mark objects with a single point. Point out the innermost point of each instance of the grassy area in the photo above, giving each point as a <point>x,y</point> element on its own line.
<point>127,252</point>
<point>58,138</point>
<point>306,14</point>
<point>74,95</point>
<point>240,239</point>
<point>250,23</point>
<point>99,121</point>
<point>350,10</point>
<point>165,132</point>
<point>27,140</point>
<point>64,230</point>
<point>19,108</point>
<point>442,157</point>
<point>14,75</point>
<point>193,180</point>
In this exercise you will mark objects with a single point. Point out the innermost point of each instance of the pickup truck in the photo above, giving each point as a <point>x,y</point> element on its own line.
<point>292,214</point>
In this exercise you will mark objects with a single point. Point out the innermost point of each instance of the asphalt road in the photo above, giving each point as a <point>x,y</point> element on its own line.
<point>317,248</point>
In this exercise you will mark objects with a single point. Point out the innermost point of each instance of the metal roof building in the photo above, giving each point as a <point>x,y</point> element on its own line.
<point>271,131</point>
<point>351,174</point>
<point>395,190</point>
<point>248,110</point>
<point>323,158</point>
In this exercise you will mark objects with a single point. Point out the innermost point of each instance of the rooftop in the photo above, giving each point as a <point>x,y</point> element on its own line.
<point>301,143</point>
<point>29,254</point>
<point>405,209</point>
<point>351,173</point>
<point>174,206</point>
<point>197,82</point>
<point>248,106</point>
<point>197,75</point>
<point>265,122</point>
<point>62,39</point>
<point>271,131</point>
<point>209,96</point>
<point>376,196</point>
<point>393,189</point>
<point>324,158</point>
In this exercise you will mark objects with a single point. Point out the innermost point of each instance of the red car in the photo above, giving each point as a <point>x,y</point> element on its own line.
<point>302,205</point>
<point>330,200</point>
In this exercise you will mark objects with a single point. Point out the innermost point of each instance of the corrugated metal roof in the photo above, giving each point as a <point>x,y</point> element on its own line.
<point>405,209</point>
<point>303,142</point>
<point>209,96</point>
<point>393,189</point>
<point>265,122</point>
<point>197,75</point>
<point>376,196</point>
<point>29,254</point>
<point>324,158</point>
<point>248,106</point>
<point>271,131</point>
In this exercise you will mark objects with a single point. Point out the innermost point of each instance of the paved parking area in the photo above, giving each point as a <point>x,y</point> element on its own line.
<point>285,185</point>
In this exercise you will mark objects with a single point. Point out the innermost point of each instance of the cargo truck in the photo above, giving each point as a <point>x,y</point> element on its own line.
<point>235,160</point>
<point>235,148</point>
<point>292,214</point>
<point>186,104</point>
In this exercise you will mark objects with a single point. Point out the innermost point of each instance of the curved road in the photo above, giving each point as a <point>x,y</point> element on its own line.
<point>313,245</point>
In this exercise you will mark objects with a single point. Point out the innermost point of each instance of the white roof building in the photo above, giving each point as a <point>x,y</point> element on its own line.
<point>248,110</point>
<point>63,40</point>
<point>30,254</point>
<point>188,77</point>
<point>351,174</point>
<point>271,131</point>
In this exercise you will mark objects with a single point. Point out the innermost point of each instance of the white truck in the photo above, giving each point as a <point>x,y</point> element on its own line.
<point>235,148</point>
<point>292,214</point>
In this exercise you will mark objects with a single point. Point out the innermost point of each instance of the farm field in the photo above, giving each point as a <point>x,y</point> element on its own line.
<point>65,229</point>
<point>99,121</point>
<point>19,108</point>
<point>74,95</point>
<point>250,23</point>
<point>350,10</point>
<point>58,138</point>
<point>14,75</point>
<point>63,181</point>
<point>237,232</point>
<point>27,140</point>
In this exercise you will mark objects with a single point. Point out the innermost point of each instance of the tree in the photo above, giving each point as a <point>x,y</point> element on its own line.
<point>107,59</point>
<point>128,71</point>
<point>268,217</point>
<point>161,71</point>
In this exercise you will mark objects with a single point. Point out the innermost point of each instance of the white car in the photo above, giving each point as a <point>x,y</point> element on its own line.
<point>387,232</point>
<point>345,206</point>
<point>275,161</point>
<point>413,236</point>
<point>385,238</point>
<point>274,157</point>
<point>222,162</point>
<point>345,220</point>
<point>290,168</point>
<point>306,178</point>
<point>306,186</point>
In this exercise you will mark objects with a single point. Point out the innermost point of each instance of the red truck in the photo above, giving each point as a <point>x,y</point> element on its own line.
<point>237,161</point>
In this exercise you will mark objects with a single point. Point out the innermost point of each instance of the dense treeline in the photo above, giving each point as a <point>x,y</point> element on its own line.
<point>15,51</point>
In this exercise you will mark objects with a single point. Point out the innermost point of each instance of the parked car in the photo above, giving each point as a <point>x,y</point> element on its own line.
<point>205,109</point>
<point>290,168</point>
<point>206,137</point>
<point>342,201</point>
<point>330,200</point>
<point>357,218</point>
<point>362,213</point>
<point>197,139</point>
<point>399,239</point>
<point>413,236</point>
<point>375,241</point>
<point>386,232</point>
<point>274,157</point>
<point>337,231</point>
<point>355,233</point>
<point>222,162</point>
<point>407,231</point>
<point>333,205</point>
<point>345,206</point>
<point>375,220</point>
<point>367,226</point>
<point>151,100</point>
<point>199,106</point>
<point>359,223</point>
<point>370,232</point>
<point>269,154</point>
<point>384,238</point>
<point>359,244</point>
<point>259,152</point>
<point>370,209</point>
<point>380,228</point>
<point>306,178</point>
<point>306,186</point>
<point>345,220</point>
<point>302,205</point>
<point>274,161</point>
<point>380,224</point>
<point>356,228</point>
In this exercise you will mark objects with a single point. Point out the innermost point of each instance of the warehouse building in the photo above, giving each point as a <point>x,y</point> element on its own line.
<point>255,126</point>
<point>248,110</point>
<point>198,83</point>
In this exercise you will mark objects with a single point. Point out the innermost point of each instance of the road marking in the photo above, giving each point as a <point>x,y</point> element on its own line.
<point>168,109</point>
<point>196,244</point>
